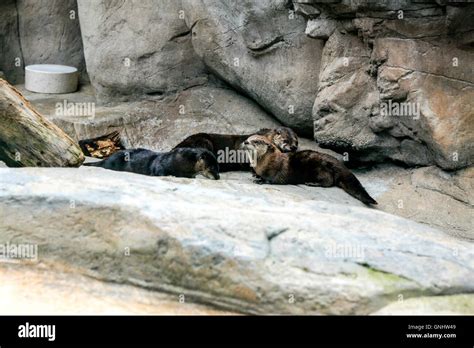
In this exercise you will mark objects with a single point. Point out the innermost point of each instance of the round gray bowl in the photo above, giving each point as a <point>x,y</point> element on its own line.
<point>51,78</point>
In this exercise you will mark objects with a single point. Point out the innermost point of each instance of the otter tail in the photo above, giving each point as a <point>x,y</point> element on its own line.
<point>349,183</point>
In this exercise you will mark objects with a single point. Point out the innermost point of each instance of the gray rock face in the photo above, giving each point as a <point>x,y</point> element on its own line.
<point>160,123</point>
<point>321,28</point>
<point>50,33</point>
<point>346,97</point>
<point>260,48</point>
<point>388,81</point>
<point>11,58</point>
<point>420,74</point>
<point>39,32</point>
<point>305,8</point>
<point>389,90</point>
<point>229,247</point>
<point>138,48</point>
<point>408,192</point>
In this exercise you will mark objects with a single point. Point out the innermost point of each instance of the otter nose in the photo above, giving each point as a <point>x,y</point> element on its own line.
<point>246,142</point>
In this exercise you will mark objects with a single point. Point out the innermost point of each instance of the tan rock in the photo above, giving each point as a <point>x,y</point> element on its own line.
<point>44,290</point>
<point>439,305</point>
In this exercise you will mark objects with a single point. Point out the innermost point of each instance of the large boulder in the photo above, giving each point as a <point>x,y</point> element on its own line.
<point>231,244</point>
<point>261,49</point>
<point>396,85</point>
<point>423,75</point>
<point>346,97</point>
<point>138,48</point>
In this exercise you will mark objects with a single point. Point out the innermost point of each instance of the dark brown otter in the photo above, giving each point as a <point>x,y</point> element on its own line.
<point>301,167</point>
<point>223,144</point>
<point>183,162</point>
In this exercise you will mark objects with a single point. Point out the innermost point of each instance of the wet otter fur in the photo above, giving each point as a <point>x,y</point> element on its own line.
<point>301,167</point>
<point>182,162</point>
<point>284,138</point>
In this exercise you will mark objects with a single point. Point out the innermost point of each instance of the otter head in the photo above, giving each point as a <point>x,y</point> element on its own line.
<point>206,165</point>
<point>283,137</point>
<point>256,147</point>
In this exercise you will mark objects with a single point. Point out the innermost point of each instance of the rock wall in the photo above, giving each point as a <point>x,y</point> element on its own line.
<point>11,58</point>
<point>138,48</point>
<point>379,58</point>
<point>50,33</point>
<point>260,48</point>
<point>39,32</point>
<point>388,81</point>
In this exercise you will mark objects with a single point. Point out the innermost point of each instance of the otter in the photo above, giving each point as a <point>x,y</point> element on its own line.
<point>301,167</point>
<point>221,144</point>
<point>182,162</point>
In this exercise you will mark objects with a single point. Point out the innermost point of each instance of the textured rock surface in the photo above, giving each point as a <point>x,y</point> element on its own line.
<point>421,57</point>
<point>227,248</point>
<point>11,58</point>
<point>138,48</point>
<point>321,28</point>
<point>346,97</point>
<point>158,124</point>
<point>50,33</point>
<point>418,72</point>
<point>429,195</point>
<point>260,48</point>
<point>39,32</point>
<point>436,305</point>
<point>35,290</point>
